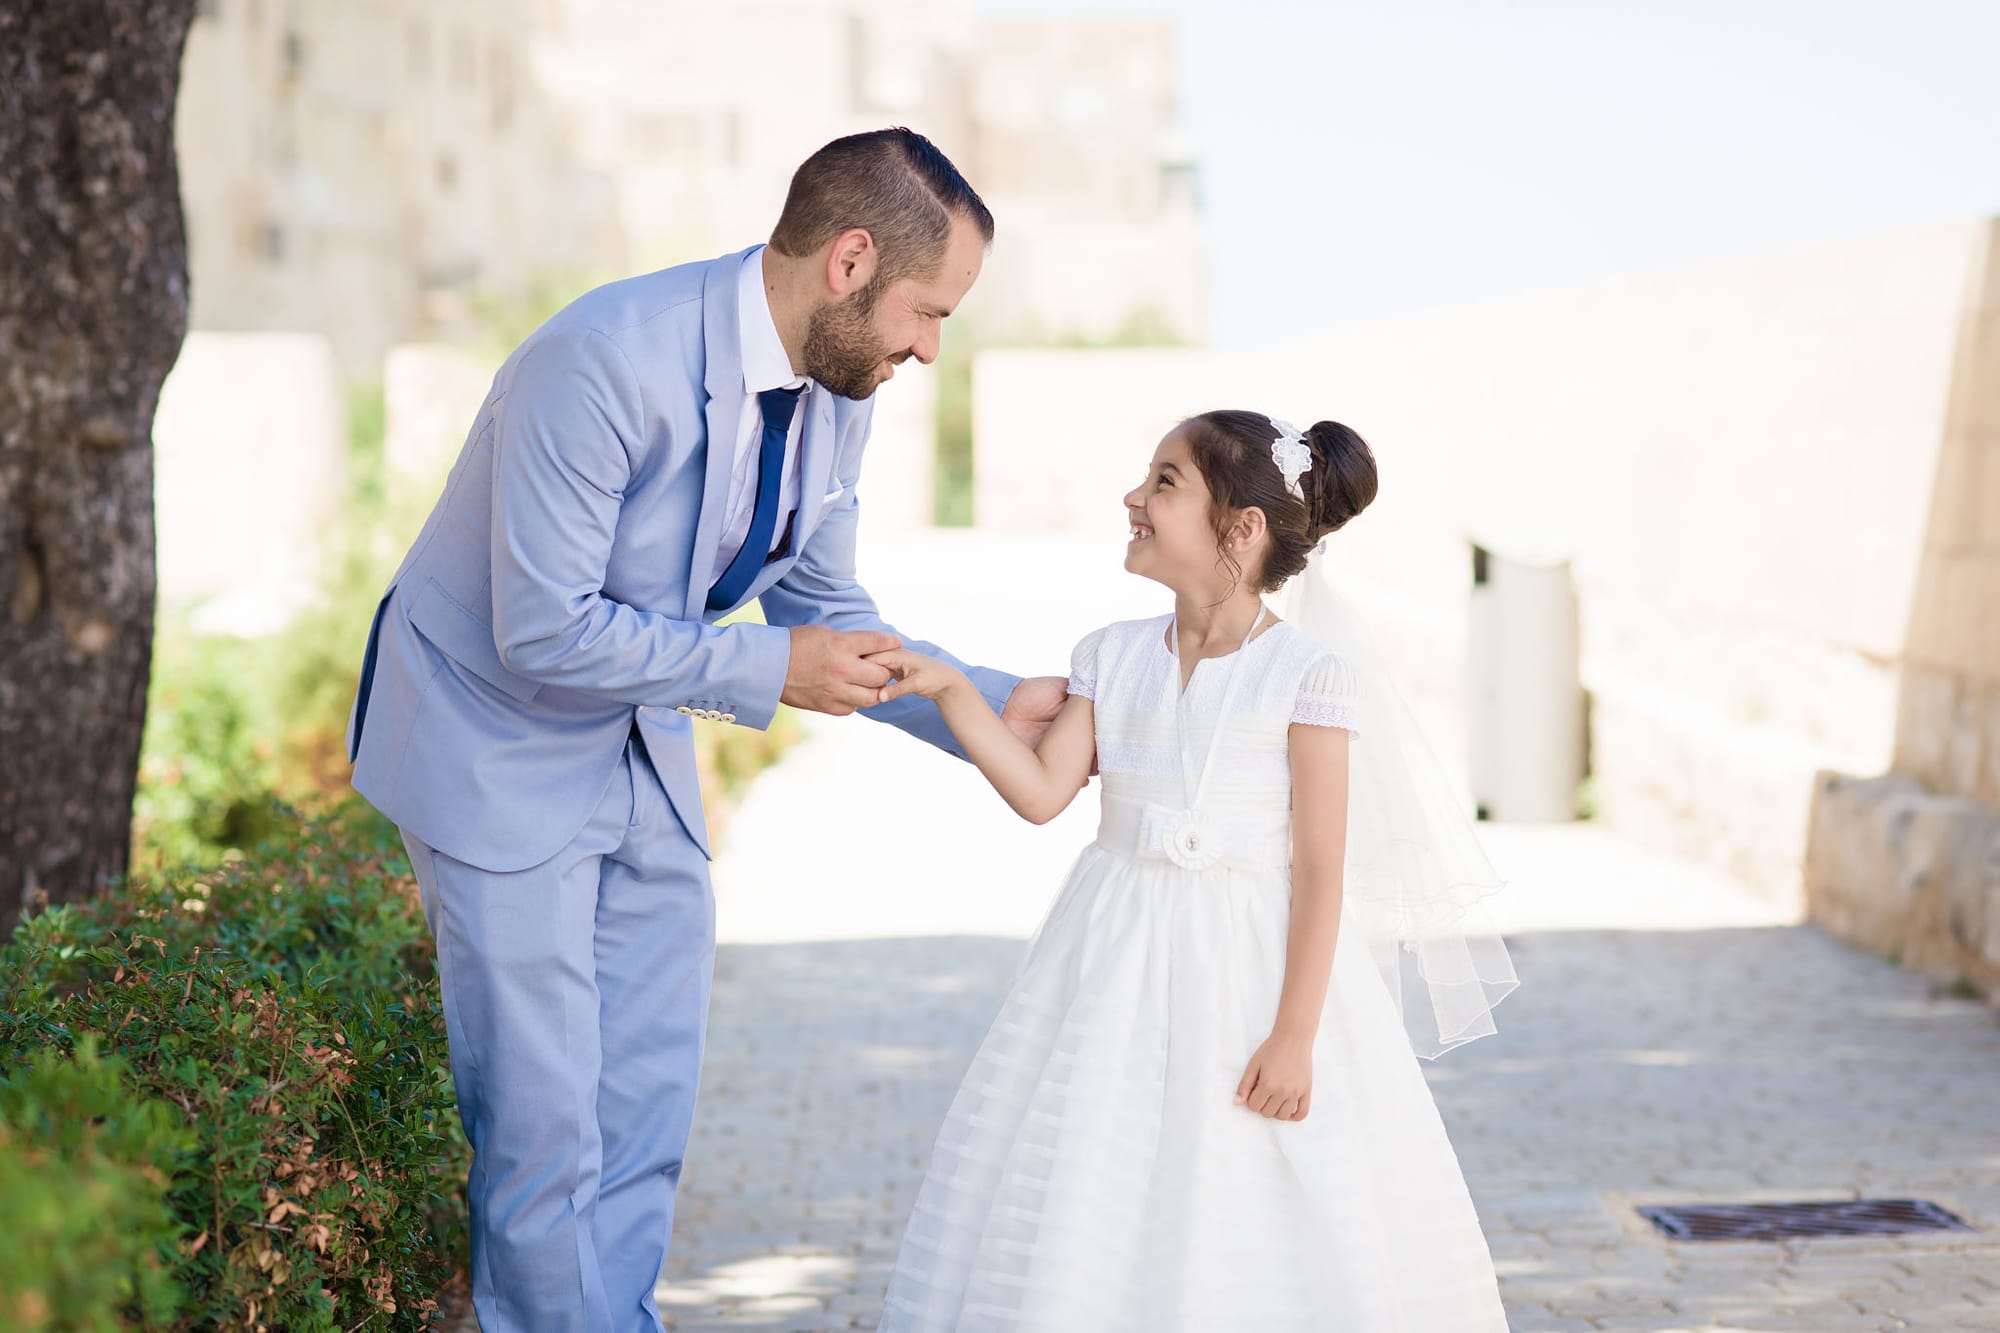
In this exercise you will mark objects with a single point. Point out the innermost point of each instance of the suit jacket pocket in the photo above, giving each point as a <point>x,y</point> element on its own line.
<point>467,640</point>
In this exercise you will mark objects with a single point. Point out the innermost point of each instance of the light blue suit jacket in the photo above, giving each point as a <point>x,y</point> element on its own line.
<point>560,585</point>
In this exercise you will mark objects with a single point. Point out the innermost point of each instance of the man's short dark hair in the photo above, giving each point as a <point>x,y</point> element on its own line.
<point>893,183</point>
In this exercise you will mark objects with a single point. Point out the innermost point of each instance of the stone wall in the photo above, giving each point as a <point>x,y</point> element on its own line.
<point>1910,863</point>
<point>1908,873</point>
<point>430,394</point>
<point>250,466</point>
<point>1948,709</point>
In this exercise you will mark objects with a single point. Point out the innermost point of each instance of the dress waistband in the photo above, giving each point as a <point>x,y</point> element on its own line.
<point>1150,831</point>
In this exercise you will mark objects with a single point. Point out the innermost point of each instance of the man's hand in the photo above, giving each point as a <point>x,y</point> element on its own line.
<point>828,673</point>
<point>1033,705</point>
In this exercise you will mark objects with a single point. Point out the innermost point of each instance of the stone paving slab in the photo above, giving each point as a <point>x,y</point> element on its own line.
<point>832,1061</point>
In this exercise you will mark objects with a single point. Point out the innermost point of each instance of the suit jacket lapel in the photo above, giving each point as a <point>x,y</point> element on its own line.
<point>816,449</point>
<point>722,381</point>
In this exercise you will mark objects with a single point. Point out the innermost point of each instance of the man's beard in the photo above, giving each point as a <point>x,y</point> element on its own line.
<point>843,351</point>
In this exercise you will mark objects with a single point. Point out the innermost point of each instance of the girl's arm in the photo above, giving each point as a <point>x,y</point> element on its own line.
<point>1319,850</point>
<point>1278,1081</point>
<point>1039,783</point>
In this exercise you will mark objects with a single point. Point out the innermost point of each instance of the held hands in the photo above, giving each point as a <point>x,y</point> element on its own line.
<point>914,673</point>
<point>1030,709</point>
<point>830,672</point>
<point>1278,1082</point>
<point>839,671</point>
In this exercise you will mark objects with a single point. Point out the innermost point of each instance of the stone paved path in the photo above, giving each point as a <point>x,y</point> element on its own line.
<point>1673,1039</point>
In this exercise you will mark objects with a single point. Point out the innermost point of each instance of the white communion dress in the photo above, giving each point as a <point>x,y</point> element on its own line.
<point>1094,1174</point>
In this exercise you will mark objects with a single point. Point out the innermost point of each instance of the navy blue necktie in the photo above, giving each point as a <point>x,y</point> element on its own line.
<point>777,405</point>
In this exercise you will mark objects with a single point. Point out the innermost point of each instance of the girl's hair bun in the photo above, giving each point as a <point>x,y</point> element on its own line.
<point>1342,482</point>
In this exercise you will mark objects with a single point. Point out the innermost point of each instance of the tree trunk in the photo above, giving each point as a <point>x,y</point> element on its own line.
<point>93,307</point>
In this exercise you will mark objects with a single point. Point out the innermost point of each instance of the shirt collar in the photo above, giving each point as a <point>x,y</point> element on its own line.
<point>765,362</point>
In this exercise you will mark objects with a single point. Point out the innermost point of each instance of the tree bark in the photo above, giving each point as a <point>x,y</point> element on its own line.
<point>93,308</point>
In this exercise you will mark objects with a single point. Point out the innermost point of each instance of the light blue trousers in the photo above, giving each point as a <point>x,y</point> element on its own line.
<point>576,997</point>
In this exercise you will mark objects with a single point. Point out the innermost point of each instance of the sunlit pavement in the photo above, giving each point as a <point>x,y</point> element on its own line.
<point>1673,1040</point>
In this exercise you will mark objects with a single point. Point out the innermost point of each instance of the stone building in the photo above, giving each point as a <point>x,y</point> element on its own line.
<point>359,170</point>
<point>1066,126</point>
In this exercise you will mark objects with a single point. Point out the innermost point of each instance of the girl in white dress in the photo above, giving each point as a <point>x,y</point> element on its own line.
<point>1198,1110</point>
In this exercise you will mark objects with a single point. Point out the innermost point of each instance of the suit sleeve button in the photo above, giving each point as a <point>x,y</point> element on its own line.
<point>729,717</point>
<point>684,710</point>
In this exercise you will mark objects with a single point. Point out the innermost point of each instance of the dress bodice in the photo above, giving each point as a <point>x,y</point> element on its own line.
<point>1153,739</point>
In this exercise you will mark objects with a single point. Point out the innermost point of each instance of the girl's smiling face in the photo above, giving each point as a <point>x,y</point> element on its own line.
<point>1173,528</point>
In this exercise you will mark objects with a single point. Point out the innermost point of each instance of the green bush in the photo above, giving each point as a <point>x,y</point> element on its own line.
<point>285,1006</point>
<point>209,775</point>
<point>89,1241</point>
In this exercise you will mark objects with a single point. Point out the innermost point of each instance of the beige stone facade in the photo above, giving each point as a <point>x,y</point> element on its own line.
<point>1948,709</point>
<point>1066,126</point>
<point>360,169</point>
<point>1909,863</point>
<point>1775,478</point>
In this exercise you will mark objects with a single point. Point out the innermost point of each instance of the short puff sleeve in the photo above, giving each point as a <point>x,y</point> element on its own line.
<point>1329,695</point>
<point>1083,664</point>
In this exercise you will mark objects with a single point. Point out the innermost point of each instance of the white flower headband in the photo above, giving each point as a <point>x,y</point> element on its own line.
<point>1290,453</point>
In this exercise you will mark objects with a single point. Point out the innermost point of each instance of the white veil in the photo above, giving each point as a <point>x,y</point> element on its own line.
<point>1416,873</point>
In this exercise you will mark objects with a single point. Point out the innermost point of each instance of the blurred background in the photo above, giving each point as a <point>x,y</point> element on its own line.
<point>1677,341</point>
<point>1675,329</point>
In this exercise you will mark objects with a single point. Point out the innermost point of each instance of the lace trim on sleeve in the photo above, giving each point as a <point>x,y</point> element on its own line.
<point>1083,665</point>
<point>1319,712</point>
<point>1328,695</point>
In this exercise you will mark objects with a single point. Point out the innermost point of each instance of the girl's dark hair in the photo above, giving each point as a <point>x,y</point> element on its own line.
<point>895,184</point>
<point>1233,451</point>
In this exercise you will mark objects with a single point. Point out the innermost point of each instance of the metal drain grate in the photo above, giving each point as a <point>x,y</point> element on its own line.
<point>1790,1221</point>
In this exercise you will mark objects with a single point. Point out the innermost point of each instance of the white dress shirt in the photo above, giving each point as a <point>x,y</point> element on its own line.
<point>765,366</point>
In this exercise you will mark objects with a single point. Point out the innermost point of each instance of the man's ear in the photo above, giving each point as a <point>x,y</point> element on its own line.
<point>851,261</point>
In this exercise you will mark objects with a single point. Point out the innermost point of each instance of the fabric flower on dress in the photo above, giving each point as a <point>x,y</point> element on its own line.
<point>1187,844</point>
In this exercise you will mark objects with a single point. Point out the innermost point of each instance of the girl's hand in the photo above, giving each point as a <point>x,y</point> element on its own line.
<point>1278,1082</point>
<point>917,674</point>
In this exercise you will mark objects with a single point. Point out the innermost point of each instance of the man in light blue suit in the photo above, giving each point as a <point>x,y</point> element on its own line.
<point>661,452</point>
